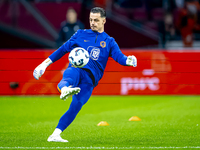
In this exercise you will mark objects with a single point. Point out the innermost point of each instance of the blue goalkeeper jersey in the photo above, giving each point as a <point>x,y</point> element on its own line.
<point>100,46</point>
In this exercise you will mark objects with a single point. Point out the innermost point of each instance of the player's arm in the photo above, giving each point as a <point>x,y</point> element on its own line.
<point>65,48</point>
<point>119,57</point>
<point>56,55</point>
<point>40,69</point>
<point>131,61</point>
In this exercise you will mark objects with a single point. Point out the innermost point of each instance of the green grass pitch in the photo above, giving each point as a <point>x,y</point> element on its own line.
<point>167,122</point>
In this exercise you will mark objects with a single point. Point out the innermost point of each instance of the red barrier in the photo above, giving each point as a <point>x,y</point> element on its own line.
<point>158,72</point>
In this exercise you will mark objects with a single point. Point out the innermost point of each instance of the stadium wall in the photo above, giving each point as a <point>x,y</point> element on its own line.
<point>159,72</point>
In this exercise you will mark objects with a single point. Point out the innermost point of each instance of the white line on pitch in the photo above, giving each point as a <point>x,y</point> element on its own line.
<point>185,147</point>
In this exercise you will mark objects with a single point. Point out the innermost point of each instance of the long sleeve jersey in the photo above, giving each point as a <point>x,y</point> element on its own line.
<point>100,46</point>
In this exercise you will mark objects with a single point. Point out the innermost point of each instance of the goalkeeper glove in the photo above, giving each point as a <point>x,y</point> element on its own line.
<point>39,70</point>
<point>131,61</point>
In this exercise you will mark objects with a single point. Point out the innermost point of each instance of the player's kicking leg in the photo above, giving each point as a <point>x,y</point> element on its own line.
<point>67,91</point>
<point>71,77</point>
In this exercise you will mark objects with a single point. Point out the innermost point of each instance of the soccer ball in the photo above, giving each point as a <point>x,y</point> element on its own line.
<point>79,57</point>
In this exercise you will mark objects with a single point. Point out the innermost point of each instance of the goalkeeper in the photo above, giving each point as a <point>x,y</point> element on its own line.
<point>80,82</point>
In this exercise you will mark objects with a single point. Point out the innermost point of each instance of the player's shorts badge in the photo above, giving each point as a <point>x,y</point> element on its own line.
<point>103,44</point>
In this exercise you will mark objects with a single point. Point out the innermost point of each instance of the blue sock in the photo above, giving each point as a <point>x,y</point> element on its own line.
<point>70,115</point>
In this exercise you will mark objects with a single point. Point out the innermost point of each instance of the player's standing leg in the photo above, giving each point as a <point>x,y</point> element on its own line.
<point>77,102</point>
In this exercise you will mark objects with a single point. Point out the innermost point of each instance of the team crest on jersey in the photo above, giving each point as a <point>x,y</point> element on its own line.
<point>103,44</point>
<point>95,52</point>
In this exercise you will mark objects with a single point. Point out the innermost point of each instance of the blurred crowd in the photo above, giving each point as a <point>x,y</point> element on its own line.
<point>69,26</point>
<point>187,21</point>
<point>179,19</point>
<point>172,19</point>
<point>175,19</point>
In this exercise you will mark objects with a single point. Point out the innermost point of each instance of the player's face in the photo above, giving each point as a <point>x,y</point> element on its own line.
<point>97,22</point>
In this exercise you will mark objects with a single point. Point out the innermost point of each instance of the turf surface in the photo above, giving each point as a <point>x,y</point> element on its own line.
<point>167,122</point>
